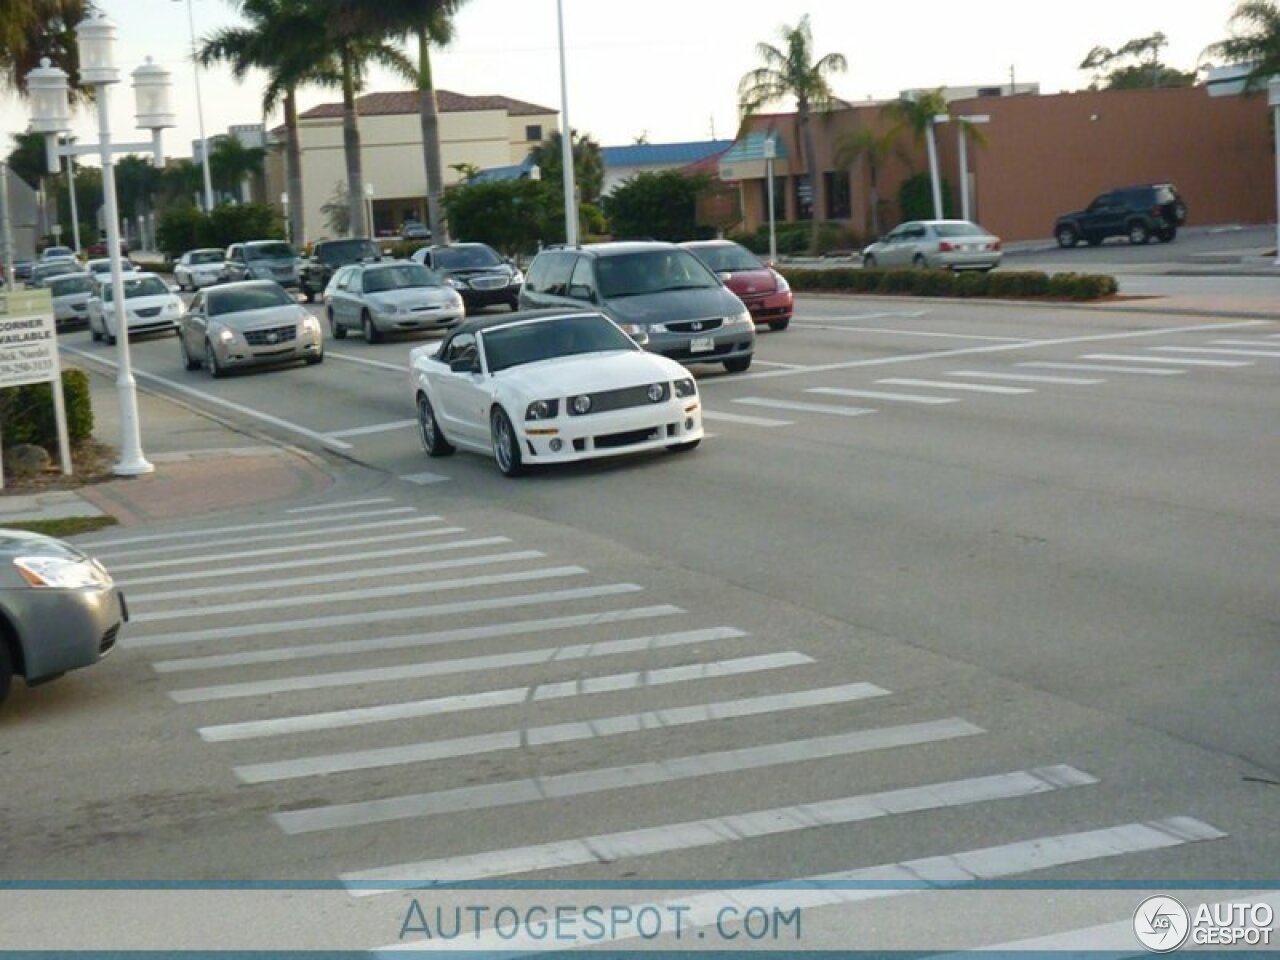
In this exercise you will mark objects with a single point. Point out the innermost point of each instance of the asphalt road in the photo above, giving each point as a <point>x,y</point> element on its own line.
<point>925,543</point>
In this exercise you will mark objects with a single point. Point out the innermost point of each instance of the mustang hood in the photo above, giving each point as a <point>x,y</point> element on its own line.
<point>589,373</point>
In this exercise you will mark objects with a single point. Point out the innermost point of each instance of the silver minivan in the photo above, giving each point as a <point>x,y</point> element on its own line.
<point>659,293</point>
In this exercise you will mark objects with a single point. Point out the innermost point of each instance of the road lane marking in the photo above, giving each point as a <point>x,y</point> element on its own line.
<point>341,576</point>
<point>891,331</point>
<point>713,831</point>
<point>775,363</point>
<point>448,668</point>
<point>372,428</point>
<point>880,395</point>
<point>341,505</point>
<point>556,733</point>
<point>1245,343</point>
<point>804,407</point>
<point>369,617</point>
<point>335,648</point>
<point>488,796</point>
<point>422,479</point>
<point>510,697</point>
<point>372,593</point>
<point>1223,351</point>
<point>1100,368</point>
<point>187,536</point>
<point>364,361</point>
<point>1024,377</point>
<point>741,418</point>
<point>207,570</point>
<point>948,385</point>
<point>1184,361</point>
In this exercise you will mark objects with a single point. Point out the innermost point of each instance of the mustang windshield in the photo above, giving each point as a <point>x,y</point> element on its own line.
<point>521,343</point>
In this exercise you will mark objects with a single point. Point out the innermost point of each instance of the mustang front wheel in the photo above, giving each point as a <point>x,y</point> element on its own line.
<point>429,432</point>
<point>506,447</point>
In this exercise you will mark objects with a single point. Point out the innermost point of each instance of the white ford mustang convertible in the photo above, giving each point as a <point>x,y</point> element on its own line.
<point>550,386</point>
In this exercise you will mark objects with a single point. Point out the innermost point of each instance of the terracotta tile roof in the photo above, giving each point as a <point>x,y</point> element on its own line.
<point>406,101</point>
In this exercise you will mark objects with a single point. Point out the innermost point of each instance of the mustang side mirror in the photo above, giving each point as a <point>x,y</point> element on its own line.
<point>641,338</point>
<point>463,365</point>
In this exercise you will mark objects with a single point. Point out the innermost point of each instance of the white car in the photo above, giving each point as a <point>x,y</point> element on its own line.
<point>151,306</point>
<point>550,386</point>
<point>101,268</point>
<point>198,268</point>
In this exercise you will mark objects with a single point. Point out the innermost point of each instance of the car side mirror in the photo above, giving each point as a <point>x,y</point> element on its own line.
<point>174,288</point>
<point>463,365</point>
<point>641,338</point>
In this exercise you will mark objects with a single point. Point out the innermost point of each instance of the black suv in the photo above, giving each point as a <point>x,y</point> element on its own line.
<point>476,271</point>
<point>1139,213</point>
<point>327,256</point>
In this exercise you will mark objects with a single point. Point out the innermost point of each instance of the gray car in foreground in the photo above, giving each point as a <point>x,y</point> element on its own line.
<point>59,609</point>
<point>390,297</point>
<point>246,324</point>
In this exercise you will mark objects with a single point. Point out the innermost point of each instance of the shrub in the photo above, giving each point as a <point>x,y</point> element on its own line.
<point>972,284</point>
<point>915,198</point>
<point>27,411</point>
<point>184,228</point>
<point>1029,284</point>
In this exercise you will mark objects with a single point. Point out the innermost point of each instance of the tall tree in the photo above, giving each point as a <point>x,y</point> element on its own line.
<point>1255,41</point>
<point>284,38</point>
<point>790,70</point>
<point>1136,64</point>
<point>27,159</point>
<point>231,163</point>
<point>33,29</point>
<point>180,181</point>
<point>137,181</point>
<point>588,163</point>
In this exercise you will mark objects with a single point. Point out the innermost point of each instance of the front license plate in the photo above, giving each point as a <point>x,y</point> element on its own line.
<point>702,344</point>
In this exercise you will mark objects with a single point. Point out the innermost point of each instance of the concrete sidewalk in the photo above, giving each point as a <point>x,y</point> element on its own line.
<point>203,465</point>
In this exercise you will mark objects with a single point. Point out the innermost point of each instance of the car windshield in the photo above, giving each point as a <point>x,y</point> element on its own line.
<point>55,268</point>
<point>205,256</point>
<point>347,251</point>
<point>53,253</point>
<point>222,302</point>
<point>959,230</point>
<point>269,251</point>
<point>138,287</point>
<point>651,271</point>
<point>468,257</point>
<point>399,276</point>
<point>506,347</point>
<point>729,258</point>
<point>66,286</point>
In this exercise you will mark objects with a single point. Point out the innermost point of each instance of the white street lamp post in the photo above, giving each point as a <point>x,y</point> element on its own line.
<point>566,144</point>
<point>284,205</point>
<point>1273,101</point>
<point>6,234</point>
<point>770,152</point>
<point>932,142</point>
<point>961,130</point>
<point>95,39</point>
<point>368,206</point>
<point>204,144</point>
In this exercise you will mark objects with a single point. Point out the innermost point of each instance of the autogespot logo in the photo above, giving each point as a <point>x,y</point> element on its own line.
<point>1161,924</point>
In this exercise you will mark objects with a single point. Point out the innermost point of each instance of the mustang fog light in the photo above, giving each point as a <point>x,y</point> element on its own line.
<point>556,445</point>
<point>688,423</point>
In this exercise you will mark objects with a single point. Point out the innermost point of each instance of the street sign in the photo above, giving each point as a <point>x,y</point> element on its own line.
<point>29,354</point>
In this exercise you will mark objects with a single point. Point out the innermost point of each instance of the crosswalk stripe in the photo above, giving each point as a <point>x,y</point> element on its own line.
<point>1224,351</point>
<point>368,617</point>
<point>342,576</point>
<point>334,547</point>
<point>648,841</point>
<point>238,570</point>
<point>336,648</point>
<point>740,418</point>
<point>1183,361</point>
<point>371,428</point>
<point>371,593</point>
<point>1025,377</point>
<point>948,385</point>
<point>488,796</point>
<point>555,733</point>
<point>1100,368</point>
<point>424,479</point>
<point>511,696</point>
<point>804,407</point>
<point>1245,343</point>
<point>904,878</point>
<point>340,505</point>
<point>446,668</point>
<point>881,395</point>
<point>187,536</point>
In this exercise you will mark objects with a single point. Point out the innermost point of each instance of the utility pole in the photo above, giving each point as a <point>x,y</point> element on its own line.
<point>1013,84</point>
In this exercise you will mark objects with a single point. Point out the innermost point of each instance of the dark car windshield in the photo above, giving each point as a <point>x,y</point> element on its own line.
<point>507,347</point>
<point>205,256</point>
<point>334,253</point>
<point>55,268</point>
<point>729,258</point>
<point>958,230</point>
<point>222,302</point>
<point>76,283</point>
<point>466,257</point>
<point>138,287</point>
<point>651,271</point>
<point>399,277</point>
<point>269,251</point>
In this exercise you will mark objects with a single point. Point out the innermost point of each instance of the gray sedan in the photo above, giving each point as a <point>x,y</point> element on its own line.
<point>71,294</point>
<point>935,244</point>
<point>59,609</point>
<point>247,323</point>
<point>390,297</point>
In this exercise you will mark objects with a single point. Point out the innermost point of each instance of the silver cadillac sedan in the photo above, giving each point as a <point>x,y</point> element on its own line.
<point>244,324</point>
<point>59,609</point>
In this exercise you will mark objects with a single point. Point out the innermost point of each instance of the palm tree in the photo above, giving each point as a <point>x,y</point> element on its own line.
<point>285,38</point>
<point>865,145</point>
<point>1255,42</point>
<point>792,71</point>
<point>588,163</point>
<point>918,115</point>
<point>33,29</point>
<point>180,181</point>
<point>231,163</point>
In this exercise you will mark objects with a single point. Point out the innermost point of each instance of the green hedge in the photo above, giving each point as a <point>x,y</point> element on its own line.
<point>27,412</point>
<point>1005,285</point>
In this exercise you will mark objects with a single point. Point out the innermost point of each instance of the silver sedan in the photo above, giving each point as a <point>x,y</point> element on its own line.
<point>244,324</point>
<point>935,244</point>
<point>390,297</point>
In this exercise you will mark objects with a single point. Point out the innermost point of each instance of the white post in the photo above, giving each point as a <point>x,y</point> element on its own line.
<point>1273,98</point>
<point>6,228</point>
<point>770,151</point>
<point>566,144</point>
<point>60,417</point>
<point>933,164</point>
<point>71,188</point>
<point>204,144</point>
<point>964,175</point>
<point>132,462</point>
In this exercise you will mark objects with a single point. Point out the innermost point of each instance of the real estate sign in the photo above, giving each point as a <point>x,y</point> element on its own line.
<point>29,353</point>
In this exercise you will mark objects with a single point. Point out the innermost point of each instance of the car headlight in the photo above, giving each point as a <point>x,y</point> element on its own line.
<point>516,277</point>
<point>310,324</point>
<point>783,286</point>
<point>580,404</point>
<point>686,388</point>
<point>542,410</point>
<point>657,392</point>
<point>226,335</point>
<point>739,319</point>
<point>458,283</point>
<point>61,573</point>
<point>632,329</point>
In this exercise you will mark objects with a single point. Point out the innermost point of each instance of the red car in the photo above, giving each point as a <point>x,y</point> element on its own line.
<point>762,289</point>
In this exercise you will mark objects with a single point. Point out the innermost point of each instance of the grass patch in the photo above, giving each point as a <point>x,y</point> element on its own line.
<point>64,526</point>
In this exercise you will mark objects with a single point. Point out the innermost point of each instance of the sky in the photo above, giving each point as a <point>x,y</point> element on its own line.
<point>668,69</point>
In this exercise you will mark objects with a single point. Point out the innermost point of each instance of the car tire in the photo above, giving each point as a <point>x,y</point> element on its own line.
<point>94,334</point>
<point>738,364</point>
<point>371,333</point>
<point>919,262</point>
<point>514,304</point>
<point>216,370</point>
<point>6,670</point>
<point>869,262</point>
<point>1067,236</point>
<point>314,358</point>
<point>188,362</point>
<point>684,447</point>
<point>779,325</point>
<point>506,448</point>
<point>433,439</point>
<point>1167,235</point>
<point>1138,233</point>
<point>339,331</point>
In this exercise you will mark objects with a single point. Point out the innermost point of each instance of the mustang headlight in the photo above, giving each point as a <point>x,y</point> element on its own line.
<point>542,410</point>
<point>61,573</point>
<point>580,404</point>
<point>657,392</point>
<point>686,388</point>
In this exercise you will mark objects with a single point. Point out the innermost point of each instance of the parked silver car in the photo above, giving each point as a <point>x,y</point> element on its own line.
<point>71,294</point>
<point>247,323</point>
<point>198,268</point>
<point>389,297</point>
<point>59,609</point>
<point>935,244</point>
<point>261,260</point>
